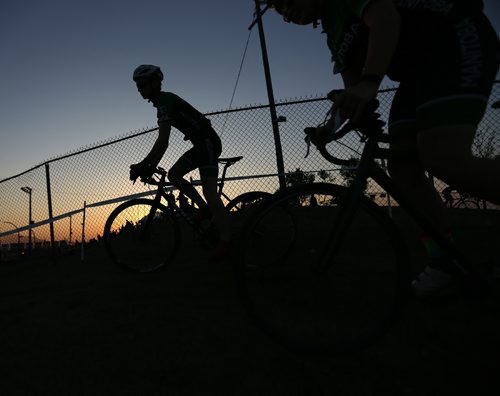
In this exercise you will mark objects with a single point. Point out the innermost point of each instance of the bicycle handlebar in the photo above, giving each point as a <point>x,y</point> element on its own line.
<point>151,180</point>
<point>370,127</point>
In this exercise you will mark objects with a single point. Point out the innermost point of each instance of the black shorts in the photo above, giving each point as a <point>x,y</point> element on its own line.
<point>204,155</point>
<point>457,63</point>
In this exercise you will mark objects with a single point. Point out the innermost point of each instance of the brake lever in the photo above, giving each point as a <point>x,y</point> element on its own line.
<point>308,143</point>
<point>308,139</point>
<point>340,122</point>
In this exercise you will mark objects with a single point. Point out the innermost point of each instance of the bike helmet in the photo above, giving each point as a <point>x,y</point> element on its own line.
<point>147,72</point>
<point>281,6</point>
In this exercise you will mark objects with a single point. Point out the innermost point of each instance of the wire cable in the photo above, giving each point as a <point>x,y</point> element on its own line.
<point>237,81</point>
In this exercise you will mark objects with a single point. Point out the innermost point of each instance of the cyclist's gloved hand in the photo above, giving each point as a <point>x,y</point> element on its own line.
<point>370,122</point>
<point>320,136</point>
<point>142,170</point>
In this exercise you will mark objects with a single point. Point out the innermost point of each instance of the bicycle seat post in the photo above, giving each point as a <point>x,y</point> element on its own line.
<point>223,176</point>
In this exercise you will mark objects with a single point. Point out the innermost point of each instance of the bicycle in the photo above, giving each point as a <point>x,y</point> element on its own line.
<point>455,199</point>
<point>144,235</point>
<point>348,276</point>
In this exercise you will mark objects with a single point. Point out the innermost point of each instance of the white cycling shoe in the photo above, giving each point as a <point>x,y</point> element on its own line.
<point>433,282</point>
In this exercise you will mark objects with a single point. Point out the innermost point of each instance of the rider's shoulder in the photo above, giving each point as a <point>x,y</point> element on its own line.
<point>168,96</point>
<point>168,100</point>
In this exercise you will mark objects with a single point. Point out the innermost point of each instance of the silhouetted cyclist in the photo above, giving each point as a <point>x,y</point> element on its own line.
<point>175,112</point>
<point>445,56</point>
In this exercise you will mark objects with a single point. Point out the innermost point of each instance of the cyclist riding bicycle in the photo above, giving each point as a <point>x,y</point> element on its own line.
<point>445,56</point>
<point>175,112</point>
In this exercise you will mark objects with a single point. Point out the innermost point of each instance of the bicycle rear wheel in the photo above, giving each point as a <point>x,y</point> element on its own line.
<point>140,237</point>
<point>342,308</point>
<point>467,204</point>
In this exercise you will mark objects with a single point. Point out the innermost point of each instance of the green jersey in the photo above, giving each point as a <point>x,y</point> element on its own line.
<point>344,28</point>
<point>184,117</point>
<point>347,35</point>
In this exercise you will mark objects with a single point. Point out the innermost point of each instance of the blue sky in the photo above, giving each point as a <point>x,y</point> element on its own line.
<point>66,66</point>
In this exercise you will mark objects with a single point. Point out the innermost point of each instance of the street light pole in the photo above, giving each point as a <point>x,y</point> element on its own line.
<point>29,190</point>
<point>270,93</point>
<point>70,229</point>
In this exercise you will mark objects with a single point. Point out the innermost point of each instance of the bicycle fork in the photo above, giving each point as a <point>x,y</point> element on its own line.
<point>347,208</point>
<point>349,203</point>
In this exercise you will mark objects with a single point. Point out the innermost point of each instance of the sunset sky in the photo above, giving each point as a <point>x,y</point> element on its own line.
<point>65,80</point>
<point>66,66</point>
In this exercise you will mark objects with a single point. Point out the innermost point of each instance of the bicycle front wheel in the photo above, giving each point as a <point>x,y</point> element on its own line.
<point>312,302</point>
<point>141,237</point>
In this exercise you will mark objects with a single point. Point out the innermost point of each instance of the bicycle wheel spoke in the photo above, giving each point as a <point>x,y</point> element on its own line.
<point>341,308</point>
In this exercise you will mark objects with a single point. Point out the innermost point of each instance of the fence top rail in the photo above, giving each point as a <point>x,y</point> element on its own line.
<point>148,130</point>
<point>135,134</point>
<point>81,151</point>
<point>134,196</point>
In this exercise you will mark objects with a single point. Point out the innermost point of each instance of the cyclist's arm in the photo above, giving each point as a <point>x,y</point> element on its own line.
<point>349,77</point>
<point>161,144</point>
<point>383,19</point>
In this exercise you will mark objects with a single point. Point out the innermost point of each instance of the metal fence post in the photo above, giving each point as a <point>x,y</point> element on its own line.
<point>83,231</point>
<point>49,200</point>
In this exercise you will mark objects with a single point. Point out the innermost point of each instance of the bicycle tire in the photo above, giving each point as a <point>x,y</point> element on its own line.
<point>467,204</point>
<point>133,247</point>
<point>247,200</point>
<point>284,300</point>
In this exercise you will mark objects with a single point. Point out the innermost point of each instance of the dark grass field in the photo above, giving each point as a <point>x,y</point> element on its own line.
<point>87,328</point>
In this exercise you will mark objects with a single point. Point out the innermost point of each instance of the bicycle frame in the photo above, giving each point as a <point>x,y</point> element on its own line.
<point>350,201</point>
<point>171,204</point>
<point>161,193</point>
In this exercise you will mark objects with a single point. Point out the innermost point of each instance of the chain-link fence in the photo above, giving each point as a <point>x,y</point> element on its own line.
<point>83,187</point>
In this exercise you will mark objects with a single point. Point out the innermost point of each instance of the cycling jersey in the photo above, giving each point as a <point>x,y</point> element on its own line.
<point>456,70</point>
<point>345,31</point>
<point>450,9</point>
<point>203,156</point>
<point>184,117</point>
<point>446,59</point>
<point>347,35</point>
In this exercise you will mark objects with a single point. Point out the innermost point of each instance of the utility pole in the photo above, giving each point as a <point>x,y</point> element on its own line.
<point>29,191</point>
<point>49,199</point>
<point>270,93</point>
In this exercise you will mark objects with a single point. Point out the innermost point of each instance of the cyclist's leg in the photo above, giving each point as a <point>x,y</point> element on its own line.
<point>451,105</point>
<point>219,212</point>
<point>207,154</point>
<point>446,152</point>
<point>410,173</point>
<point>453,85</point>
<point>411,177</point>
<point>185,164</point>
